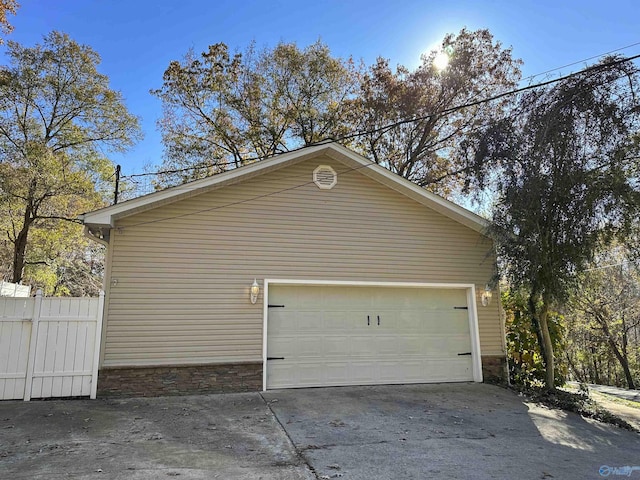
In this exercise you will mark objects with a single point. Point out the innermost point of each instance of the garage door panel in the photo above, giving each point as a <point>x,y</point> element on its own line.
<point>336,346</point>
<point>337,373</point>
<point>292,320</point>
<point>362,371</point>
<point>386,345</point>
<point>285,375</point>
<point>388,298</point>
<point>441,344</point>
<point>448,370</point>
<point>343,298</point>
<point>362,346</point>
<point>413,371</point>
<point>412,345</point>
<point>323,334</point>
<point>440,321</point>
<point>342,321</point>
<point>456,345</point>
<point>450,324</point>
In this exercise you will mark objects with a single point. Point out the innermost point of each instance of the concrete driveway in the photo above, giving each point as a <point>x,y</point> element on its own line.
<point>196,437</point>
<point>458,431</point>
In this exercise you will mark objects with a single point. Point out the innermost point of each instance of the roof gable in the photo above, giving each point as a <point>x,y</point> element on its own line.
<point>105,218</point>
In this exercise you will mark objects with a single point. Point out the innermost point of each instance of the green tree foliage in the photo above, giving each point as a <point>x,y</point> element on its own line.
<point>57,117</point>
<point>567,185</point>
<point>604,322</point>
<point>223,110</point>
<point>526,365</point>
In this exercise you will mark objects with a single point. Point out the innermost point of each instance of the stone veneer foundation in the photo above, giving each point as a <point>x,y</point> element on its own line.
<point>180,380</point>
<point>216,378</point>
<point>494,369</point>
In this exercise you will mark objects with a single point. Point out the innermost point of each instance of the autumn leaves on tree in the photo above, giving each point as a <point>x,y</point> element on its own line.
<point>223,110</point>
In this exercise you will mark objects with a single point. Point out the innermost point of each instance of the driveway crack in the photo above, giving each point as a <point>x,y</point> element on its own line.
<point>299,452</point>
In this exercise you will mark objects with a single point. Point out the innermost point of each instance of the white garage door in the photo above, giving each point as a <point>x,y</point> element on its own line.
<point>337,335</point>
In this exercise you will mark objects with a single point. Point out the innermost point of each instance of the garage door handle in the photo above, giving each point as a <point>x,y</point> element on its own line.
<point>368,320</point>
<point>275,358</point>
<point>465,353</point>
<point>378,320</point>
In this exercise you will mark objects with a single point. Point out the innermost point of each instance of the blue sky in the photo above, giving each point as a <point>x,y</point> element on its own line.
<point>138,38</point>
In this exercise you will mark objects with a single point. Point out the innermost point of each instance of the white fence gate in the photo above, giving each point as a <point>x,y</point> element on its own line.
<point>49,347</point>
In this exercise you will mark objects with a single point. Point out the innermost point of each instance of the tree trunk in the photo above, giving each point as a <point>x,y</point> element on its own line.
<point>548,347</point>
<point>544,336</point>
<point>20,247</point>
<point>624,363</point>
<point>622,358</point>
<point>578,374</point>
<point>625,356</point>
<point>534,320</point>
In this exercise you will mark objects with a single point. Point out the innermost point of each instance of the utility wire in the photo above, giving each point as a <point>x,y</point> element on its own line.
<point>531,77</point>
<point>390,126</point>
<point>258,197</point>
<point>264,195</point>
<point>240,202</point>
<point>447,111</point>
<point>608,266</point>
<point>514,114</point>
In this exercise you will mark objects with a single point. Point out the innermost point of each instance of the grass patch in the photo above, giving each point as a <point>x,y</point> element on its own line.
<point>621,401</point>
<point>578,402</point>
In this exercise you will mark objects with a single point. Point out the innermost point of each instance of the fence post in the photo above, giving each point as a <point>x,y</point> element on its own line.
<point>96,347</point>
<point>33,345</point>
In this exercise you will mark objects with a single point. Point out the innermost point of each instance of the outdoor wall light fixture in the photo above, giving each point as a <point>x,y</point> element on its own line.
<point>486,296</point>
<point>254,291</point>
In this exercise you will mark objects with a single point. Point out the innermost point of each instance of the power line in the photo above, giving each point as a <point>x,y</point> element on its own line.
<point>330,141</point>
<point>240,202</point>
<point>531,77</point>
<point>514,114</point>
<point>398,123</point>
<point>447,111</point>
<point>181,170</point>
<point>609,266</point>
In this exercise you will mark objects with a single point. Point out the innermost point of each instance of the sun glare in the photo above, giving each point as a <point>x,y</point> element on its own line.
<point>441,61</point>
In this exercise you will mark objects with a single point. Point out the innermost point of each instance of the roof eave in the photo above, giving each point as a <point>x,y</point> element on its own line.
<point>105,217</point>
<point>408,188</point>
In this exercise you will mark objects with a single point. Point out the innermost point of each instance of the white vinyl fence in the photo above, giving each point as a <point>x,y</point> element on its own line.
<point>49,347</point>
<point>8,289</point>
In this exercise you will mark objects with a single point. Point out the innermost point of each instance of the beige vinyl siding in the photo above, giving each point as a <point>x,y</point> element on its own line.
<point>183,270</point>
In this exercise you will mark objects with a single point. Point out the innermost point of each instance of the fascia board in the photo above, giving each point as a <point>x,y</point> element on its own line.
<point>105,217</point>
<point>410,189</point>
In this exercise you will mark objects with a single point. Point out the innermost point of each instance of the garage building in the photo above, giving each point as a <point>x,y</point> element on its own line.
<point>311,268</point>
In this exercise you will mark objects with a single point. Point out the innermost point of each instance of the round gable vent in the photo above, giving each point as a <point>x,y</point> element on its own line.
<point>325,177</point>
